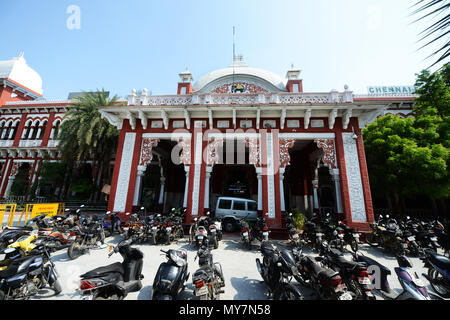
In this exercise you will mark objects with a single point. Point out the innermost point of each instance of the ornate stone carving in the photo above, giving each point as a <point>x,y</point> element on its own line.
<point>254,153</point>
<point>185,156</point>
<point>329,153</point>
<point>354,178</point>
<point>146,150</point>
<point>285,158</point>
<point>212,151</point>
<point>247,87</point>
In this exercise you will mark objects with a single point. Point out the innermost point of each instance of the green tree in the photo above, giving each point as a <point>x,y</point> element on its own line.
<point>85,135</point>
<point>409,157</point>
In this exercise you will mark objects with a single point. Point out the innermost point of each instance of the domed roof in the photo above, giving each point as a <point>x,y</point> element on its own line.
<point>264,79</point>
<point>18,71</point>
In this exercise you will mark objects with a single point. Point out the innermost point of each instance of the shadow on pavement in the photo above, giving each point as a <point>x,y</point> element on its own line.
<point>249,289</point>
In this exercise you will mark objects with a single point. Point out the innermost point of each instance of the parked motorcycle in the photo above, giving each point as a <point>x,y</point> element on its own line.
<point>387,235</point>
<point>87,237</point>
<point>276,269</point>
<point>354,274</point>
<point>117,280</point>
<point>327,283</point>
<point>438,272</point>
<point>25,276</point>
<point>294,236</point>
<point>208,280</point>
<point>171,276</point>
<point>246,234</point>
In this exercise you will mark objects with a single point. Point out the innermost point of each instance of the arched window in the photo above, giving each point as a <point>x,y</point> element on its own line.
<point>3,130</point>
<point>56,129</point>
<point>34,131</point>
<point>13,130</point>
<point>26,130</point>
<point>42,132</point>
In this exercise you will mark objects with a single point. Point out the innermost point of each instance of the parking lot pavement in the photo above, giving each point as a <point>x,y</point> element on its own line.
<point>242,280</point>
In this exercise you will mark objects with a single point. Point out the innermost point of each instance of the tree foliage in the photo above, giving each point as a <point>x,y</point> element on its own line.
<point>411,156</point>
<point>85,135</point>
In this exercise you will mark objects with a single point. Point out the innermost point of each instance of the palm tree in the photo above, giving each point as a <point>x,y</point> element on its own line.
<point>439,29</point>
<point>85,135</point>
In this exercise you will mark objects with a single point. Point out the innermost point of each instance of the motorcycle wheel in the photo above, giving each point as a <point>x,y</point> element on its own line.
<point>317,245</point>
<point>436,281</point>
<point>180,234</point>
<point>102,237</point>
<point>2,245</point>
<point>248,244</point>
<point>216,244</point>
<point>372,239</point>
<point>398,248</point>
<point>191,234</point>
<point>74,250</point>
<point>354,287</point>
<point>2,295</point>
<point>57,287</point>
<point>354,245</point>
<point>289,293</point>
<point>167,239</point>
<point>154,239</point>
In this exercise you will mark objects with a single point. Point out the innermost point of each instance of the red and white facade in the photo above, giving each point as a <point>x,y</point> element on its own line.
<point>270,115</point>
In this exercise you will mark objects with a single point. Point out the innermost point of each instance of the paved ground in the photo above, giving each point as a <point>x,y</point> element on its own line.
<point>242,280</point>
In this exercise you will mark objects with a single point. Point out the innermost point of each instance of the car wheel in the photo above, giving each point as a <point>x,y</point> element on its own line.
<point>228,225</point>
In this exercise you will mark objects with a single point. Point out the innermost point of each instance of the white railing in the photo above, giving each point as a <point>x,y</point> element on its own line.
<point>241,99</point>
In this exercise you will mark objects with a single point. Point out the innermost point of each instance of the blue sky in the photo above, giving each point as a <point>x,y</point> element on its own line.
<point>139,44</point>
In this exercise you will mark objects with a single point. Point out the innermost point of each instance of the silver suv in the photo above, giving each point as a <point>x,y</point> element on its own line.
<point>232,210</point>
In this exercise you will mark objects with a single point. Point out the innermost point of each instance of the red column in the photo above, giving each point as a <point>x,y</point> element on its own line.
<point>48,129</point>
<point>364,177</point>
<point>20,130</point>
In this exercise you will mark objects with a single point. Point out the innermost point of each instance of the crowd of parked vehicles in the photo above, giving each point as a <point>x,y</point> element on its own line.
<point>333,273</point>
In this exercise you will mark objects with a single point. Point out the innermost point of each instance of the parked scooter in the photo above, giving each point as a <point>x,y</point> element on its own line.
<point>171,276</point>
<point>413,286</point>
<point>208,279</point>
<point>438,272</point>
<point>116,280</point>
<point>276,270</point>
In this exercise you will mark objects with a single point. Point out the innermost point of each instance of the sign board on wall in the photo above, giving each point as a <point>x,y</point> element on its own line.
<point>377,90</point>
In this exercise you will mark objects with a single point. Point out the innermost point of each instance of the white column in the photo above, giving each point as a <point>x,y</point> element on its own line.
<point>161,191</point>
<point>208,176</point>
<point>52,134</point>
<point>137,190</point>
<point>9,185</point>
<point>186,187</point>
<point>315,184</point>
<point>337,187</point>
<point>31,133</point>
<point>38,134</point>
<point>283,206</point>
<point>11,133</point>
<point>260,186</point>
<point>3,133</point>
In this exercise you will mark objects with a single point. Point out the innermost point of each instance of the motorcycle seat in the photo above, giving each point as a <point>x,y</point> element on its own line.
<point>115,267</point>
<point>320,271</point>
<point>439,260</point>
<point>350,265</point>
